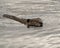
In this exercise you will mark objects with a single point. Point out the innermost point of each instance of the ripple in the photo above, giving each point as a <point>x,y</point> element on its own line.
<point>28,41</point>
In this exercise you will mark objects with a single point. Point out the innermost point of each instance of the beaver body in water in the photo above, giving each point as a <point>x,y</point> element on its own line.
<point>36,22</point>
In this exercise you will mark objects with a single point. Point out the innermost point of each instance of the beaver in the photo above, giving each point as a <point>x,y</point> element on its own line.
<point>36,22</point>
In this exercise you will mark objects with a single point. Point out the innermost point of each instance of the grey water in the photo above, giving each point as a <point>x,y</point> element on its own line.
<point>16,35</point>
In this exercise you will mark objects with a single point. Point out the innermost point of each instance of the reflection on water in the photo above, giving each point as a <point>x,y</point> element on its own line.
<point>16,35</point>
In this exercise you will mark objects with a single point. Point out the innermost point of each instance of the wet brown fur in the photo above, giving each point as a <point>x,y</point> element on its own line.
<point>37,22</point>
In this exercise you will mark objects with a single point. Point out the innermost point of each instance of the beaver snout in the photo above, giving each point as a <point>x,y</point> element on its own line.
<point>41,24</point>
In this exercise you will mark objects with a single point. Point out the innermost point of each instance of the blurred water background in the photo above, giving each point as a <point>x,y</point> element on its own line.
<point>15,35</point>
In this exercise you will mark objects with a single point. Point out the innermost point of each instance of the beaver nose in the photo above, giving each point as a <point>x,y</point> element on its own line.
<point>41,24</point>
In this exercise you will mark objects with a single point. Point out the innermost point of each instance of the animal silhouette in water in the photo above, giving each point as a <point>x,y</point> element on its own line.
<point>36,22</point>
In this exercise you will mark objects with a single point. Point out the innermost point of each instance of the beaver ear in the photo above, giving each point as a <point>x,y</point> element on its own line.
<point>28,20</point>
